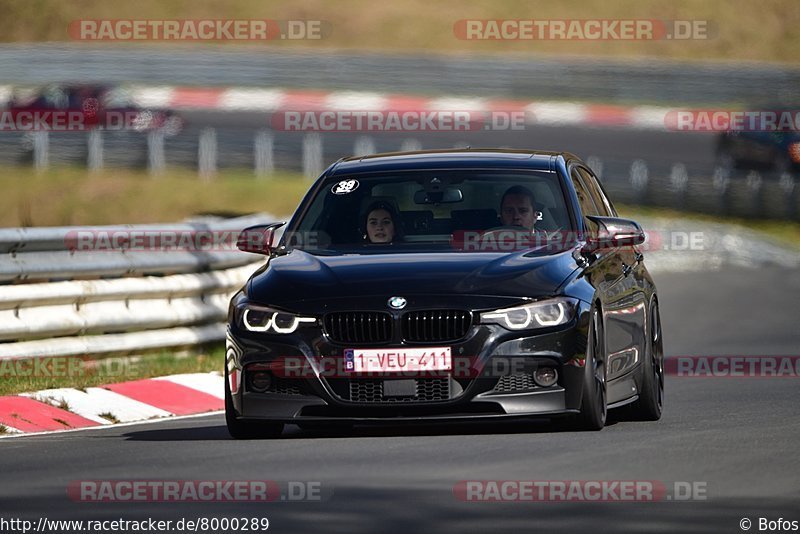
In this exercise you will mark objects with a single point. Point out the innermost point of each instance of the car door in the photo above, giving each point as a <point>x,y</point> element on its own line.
<point>614,274</point>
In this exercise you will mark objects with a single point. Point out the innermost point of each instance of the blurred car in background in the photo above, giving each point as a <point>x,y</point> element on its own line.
<point>98,106</point>
<point>775,151</point>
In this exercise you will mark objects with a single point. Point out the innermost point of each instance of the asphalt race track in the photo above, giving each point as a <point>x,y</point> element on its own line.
<point>736,437</point>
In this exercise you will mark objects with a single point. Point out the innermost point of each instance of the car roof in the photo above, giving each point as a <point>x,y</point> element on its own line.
<point>460,158</point>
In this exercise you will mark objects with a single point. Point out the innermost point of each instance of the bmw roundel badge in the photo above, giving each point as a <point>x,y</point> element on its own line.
<point>397,303</point>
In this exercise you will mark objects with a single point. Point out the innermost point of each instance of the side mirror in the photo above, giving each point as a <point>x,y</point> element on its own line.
<point>258,239</point>
<point>613,232</point>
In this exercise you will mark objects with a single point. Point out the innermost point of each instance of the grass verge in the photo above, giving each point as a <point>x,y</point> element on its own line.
<point>738,30</point>
<point>20,376</point>
<point>71,196</point>
<point>67,196</point>
<point>785,233</point>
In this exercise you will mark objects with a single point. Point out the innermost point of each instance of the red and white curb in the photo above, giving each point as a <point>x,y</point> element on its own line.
<point>125,402</point>
<point>275,99</point>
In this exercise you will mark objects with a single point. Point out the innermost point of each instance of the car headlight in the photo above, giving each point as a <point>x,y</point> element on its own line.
<point>261,319</point>
<point>541,314</point>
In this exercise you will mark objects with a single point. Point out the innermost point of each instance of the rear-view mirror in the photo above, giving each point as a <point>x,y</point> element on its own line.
<point>447,196</point>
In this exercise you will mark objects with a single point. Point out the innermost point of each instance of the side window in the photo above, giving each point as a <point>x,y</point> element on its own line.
<point>584,199</point>
<point>598,197</point>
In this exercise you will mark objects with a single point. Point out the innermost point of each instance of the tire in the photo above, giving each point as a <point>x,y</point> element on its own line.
<point>239,429</point>
<point>651,391</point>
<point>594,401</point>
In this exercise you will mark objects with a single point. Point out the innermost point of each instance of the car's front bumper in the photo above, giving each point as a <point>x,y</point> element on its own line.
<point>308,408</point>
<point>491,378</point>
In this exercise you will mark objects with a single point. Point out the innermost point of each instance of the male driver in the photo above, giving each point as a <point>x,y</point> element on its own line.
<point>516,207</point>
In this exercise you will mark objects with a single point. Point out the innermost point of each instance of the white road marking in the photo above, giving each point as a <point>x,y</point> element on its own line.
<point>210,383</point>
<point>251,99</point>
<point>557,113</point>
<point>355,101</point>
<point>117,425</point>
<point>153,97</point>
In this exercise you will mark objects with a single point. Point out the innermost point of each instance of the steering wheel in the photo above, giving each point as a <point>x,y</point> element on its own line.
<point>506,228</point>
<point>537,235</point>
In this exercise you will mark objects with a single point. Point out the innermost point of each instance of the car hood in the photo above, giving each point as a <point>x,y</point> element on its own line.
<point>302,281</point>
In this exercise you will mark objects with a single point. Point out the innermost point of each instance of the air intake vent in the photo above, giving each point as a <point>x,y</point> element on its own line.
<point>426,390</point>
<point>358,328</point>
<point>515,382</point>
<point>436,326</point>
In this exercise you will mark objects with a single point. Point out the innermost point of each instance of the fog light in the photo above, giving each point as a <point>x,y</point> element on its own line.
<point>545,376</point>
<point>260,381</point>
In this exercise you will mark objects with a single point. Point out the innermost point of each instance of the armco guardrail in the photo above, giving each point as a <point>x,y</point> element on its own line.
<point>58,299</point>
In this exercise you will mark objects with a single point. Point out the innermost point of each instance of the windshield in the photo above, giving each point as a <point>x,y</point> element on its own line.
<point>464,210</point>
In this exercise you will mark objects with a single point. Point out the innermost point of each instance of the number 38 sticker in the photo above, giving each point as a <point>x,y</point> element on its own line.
<point>344,187</point>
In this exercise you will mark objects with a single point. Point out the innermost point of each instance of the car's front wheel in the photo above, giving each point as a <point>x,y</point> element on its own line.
<point>594,405</point>
<point>240,429</point>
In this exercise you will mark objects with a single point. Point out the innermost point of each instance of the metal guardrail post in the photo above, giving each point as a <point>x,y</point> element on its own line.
<point>679,184</point>
<point>364,146</point>
<point>94,141</point>
<point>207,154</point>
<point>312,155</point>
<point>410,145</point>
<point>639,178</point>
<point>156,161</point>
<point>596,164</point>
<point>720,185</point>
<point>755,191</point>
<point>263,153</point>
<point>41,150</point>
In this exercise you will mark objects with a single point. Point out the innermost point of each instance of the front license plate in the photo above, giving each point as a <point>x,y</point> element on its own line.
<point>398,360</point>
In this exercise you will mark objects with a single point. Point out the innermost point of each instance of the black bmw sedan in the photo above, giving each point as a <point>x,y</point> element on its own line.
<point>445,285</point>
